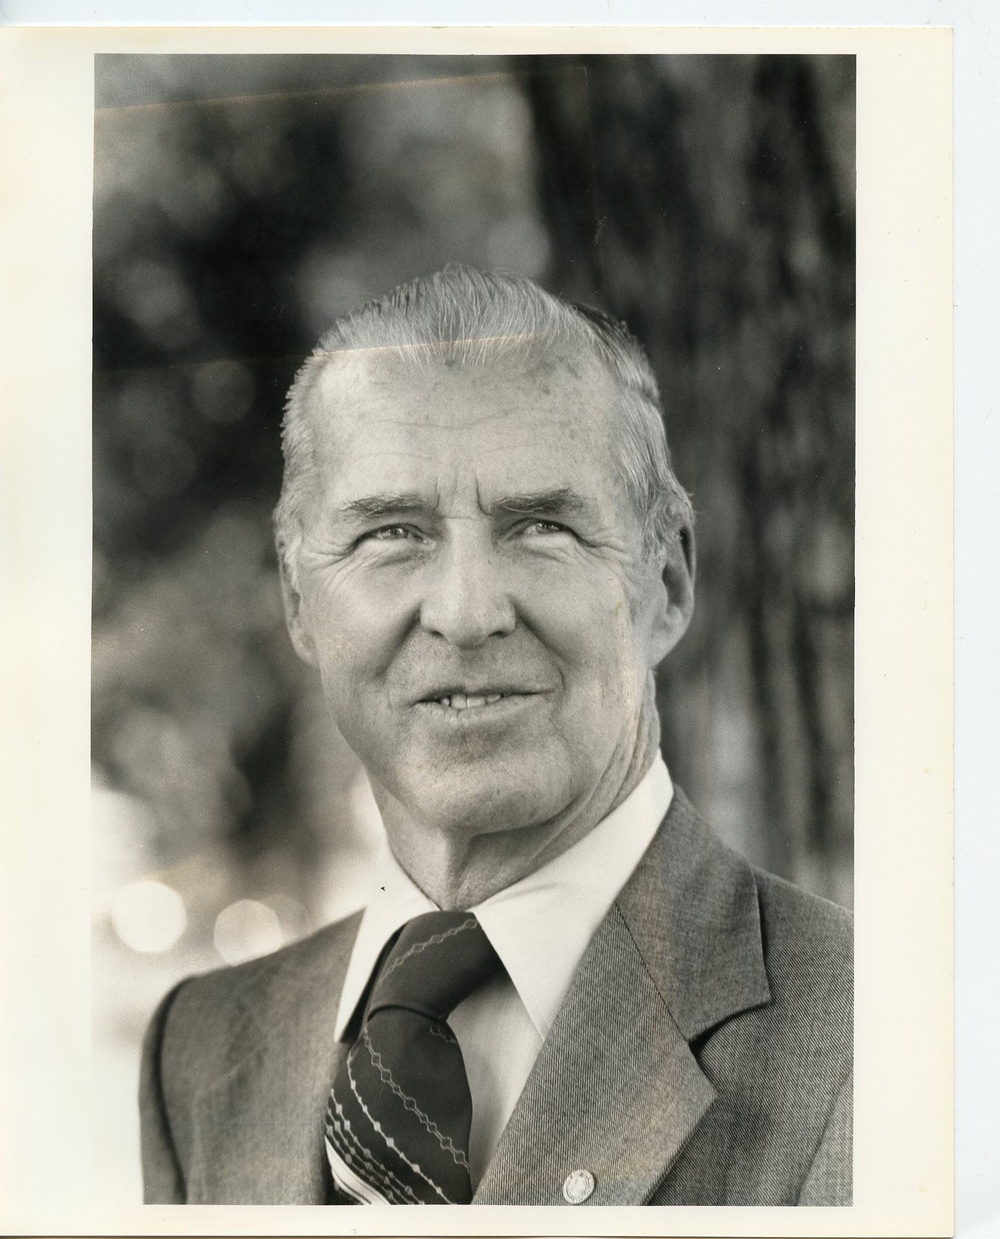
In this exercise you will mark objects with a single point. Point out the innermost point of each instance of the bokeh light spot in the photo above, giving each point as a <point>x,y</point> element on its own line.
<point>148,916</point>
<point>222,391</point>
<point>247,929</point>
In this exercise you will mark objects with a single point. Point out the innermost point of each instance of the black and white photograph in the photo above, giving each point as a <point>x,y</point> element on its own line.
<point>540,675</point>
<point>482,520</point>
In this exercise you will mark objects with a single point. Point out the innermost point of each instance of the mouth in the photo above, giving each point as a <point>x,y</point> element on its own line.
<point>456,700</point>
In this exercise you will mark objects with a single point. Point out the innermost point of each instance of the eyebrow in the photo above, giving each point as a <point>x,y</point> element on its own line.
<point>563,501</point>
<point>373,507</point>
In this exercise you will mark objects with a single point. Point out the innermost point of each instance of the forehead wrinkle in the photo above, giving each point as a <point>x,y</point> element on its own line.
<point>416,422</point>
<point>380,453</point>
<point>520,402</point>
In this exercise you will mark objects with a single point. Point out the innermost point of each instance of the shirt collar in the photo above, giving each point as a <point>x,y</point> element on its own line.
<point>539,926</point>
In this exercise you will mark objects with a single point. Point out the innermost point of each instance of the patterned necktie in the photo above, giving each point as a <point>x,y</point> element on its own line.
<point>397,1125</point>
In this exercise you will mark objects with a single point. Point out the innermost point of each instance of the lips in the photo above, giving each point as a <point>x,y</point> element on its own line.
<point>461,699</point>
<point>469,701</point>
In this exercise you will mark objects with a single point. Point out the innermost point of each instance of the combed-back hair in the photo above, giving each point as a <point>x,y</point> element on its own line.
<point>470,317</point>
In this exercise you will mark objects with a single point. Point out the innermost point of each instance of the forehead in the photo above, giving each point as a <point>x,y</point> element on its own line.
<point>550,417</point>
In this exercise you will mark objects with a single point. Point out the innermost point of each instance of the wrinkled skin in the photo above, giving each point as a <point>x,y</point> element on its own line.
<point>472,588</point>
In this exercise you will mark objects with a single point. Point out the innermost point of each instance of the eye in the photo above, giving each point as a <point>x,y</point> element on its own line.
<point>391,533</point>
<point>544,527</point>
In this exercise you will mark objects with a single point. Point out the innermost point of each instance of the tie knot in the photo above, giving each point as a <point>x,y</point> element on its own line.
<point>438,960</point>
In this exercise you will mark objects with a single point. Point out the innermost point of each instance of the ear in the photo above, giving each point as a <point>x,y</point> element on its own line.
<point>676,596</point>
<point>294,618</point>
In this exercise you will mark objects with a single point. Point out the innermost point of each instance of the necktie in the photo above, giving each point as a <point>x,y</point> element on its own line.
<point>398,1120</point>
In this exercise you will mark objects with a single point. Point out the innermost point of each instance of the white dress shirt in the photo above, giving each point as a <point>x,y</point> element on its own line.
<point>540,928</point>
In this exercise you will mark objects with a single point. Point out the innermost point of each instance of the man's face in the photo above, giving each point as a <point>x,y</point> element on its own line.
<point>473,590</point>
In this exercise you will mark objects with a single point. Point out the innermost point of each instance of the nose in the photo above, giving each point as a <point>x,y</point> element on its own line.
<point>466,600</point>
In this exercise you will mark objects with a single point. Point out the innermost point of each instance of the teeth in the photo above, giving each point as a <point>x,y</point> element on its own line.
<point>462,701</point>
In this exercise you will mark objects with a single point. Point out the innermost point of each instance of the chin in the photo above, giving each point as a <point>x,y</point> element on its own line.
<point>482,805</point>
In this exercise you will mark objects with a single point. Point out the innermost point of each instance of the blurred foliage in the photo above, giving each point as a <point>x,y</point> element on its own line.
<point>709,201</point>
<point>241,202</point>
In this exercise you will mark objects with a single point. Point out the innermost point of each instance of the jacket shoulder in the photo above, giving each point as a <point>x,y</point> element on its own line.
<point>207,1017</point>
<point>808,946</point>
<point>208,1027</point>
<point>805,938</point>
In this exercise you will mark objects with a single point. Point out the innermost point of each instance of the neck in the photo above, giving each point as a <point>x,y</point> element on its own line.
<point>460,871</point>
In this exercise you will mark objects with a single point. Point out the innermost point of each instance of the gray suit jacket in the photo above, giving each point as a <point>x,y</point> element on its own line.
<point>703,1055</point>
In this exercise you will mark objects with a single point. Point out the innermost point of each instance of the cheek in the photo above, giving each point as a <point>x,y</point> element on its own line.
<point>355,629</point>
<point>351,665</point>
<point>588,626</point>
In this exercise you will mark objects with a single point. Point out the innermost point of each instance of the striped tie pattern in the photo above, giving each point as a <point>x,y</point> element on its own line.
<point>398,1120</point>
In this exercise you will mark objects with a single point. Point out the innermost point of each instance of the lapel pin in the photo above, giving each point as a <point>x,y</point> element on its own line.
<point>578,1187</point>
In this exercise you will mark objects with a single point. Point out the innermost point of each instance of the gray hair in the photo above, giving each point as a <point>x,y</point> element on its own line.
<point>468,316</point>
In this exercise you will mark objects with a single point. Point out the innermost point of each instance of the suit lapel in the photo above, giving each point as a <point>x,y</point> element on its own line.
<point>616,1089</point>
<point>258,1136</point>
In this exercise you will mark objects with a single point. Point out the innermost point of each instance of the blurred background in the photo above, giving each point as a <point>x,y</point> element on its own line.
<point>240,203</point>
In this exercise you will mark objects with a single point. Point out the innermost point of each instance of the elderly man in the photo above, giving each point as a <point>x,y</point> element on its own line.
<point>563,988</point>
